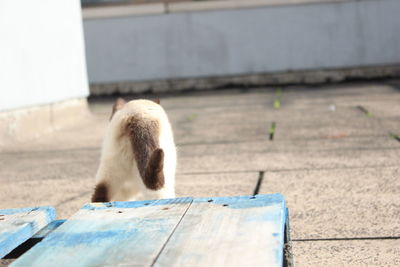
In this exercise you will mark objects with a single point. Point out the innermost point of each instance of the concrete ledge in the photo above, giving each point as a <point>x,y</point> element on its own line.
<point>29,123</point>
<point>189,6</point>
<point>234,4</point>
<point>249,80</point>
<point>122,11</point>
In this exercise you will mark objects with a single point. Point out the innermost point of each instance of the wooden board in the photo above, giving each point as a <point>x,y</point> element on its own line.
<point>48,229</point>
<point>227,231</point>
<point>109,234</point>
<point>18,225</point>
<point>230,231</point>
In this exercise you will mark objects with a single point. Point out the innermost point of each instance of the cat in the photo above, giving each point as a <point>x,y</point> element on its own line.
<point>138,157</point>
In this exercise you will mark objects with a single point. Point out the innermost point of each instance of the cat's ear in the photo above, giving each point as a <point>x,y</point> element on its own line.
<point>157,100</point>
<point>118,104</point>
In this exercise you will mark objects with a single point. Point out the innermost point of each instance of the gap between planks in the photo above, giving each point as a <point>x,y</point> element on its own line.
<point>172,233</point>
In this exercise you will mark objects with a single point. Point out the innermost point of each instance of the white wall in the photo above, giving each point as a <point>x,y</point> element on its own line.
<point>41,52</point>
<point>275,38</point>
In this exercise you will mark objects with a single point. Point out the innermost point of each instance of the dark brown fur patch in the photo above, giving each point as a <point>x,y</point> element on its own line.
<point>100,193</point>
<point>154,176</point>
<point>118,104</point>
<point>143,134</point>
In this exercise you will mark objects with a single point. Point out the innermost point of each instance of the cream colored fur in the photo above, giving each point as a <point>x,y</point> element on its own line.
<point>118,168</point>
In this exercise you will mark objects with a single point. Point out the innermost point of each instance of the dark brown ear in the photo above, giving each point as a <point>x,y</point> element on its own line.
<point>118,104</point>
<point>157,100</point>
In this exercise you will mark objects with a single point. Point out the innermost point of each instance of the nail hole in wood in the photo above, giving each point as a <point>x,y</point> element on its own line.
<point>210,200</point>
<point>225,205</point>
<point>119,211</point>
<point>146,204</point>
<point>165,208</point>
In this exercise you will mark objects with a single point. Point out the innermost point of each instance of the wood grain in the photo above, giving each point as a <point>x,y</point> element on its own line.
<point>109,234</point>
<point>230,231</point>
<point>220,231</point>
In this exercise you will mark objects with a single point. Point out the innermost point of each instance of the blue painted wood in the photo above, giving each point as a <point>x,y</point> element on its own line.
<point>18,225</point>
<point>48,229</point>
<point>117,233</point>
<point>229,231</point>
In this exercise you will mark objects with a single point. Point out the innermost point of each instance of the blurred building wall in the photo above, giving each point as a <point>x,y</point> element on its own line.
<point>41,53</point>
<point>236,41</point>
<point>43,79</point>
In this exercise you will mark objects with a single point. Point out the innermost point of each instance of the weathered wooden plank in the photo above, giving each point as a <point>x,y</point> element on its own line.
<point>110,234</point>
<point>231,231</point>
<point>48,229</point>
<point>18,225</point>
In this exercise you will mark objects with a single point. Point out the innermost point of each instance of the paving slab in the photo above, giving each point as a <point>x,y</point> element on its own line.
<point>384,108</point>
<point>221,99</point>
<point>335,142</point>
<point>325,123</point>
<point>389,125</point>
<point>347,253</point>
<point>344,95</point>
<point>85,134</point>
<point>216,184</point>
<point>332,143</point>
<point>222,124</point>
<point>339,203</point>
<point>255,123</point>
<point>256,156</point>
<point>73,164</point>
<point>190,134</point>
<point>66,196</point>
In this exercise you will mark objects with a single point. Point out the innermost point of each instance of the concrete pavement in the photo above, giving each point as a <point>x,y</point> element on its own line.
<point>337,166</point>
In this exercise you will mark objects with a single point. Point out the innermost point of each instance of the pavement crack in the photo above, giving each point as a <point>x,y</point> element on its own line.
<point>259,182</point>
<point>272,131</point>
<point>345,238</point>
<point>395,137</point>
<point>365,111</point>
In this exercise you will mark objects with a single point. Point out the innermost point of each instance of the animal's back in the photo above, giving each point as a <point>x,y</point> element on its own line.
<point>138,156</point>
